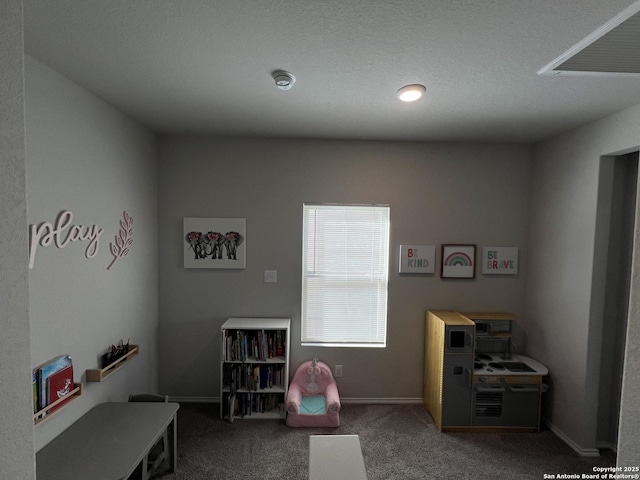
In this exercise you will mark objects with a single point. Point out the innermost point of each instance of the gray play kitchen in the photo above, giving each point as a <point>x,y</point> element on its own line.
<point>474,379</point>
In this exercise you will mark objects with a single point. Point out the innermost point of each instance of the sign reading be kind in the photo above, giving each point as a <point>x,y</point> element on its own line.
<point>417,259</point>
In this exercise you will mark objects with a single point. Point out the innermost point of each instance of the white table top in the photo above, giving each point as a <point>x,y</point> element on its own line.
<point>336,457</point>
<point>107,443</point>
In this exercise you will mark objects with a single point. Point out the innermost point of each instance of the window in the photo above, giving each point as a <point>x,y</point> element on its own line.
<point>345,267</point>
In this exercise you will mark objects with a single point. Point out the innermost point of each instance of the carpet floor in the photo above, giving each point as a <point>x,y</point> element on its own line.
<point>399,442</point>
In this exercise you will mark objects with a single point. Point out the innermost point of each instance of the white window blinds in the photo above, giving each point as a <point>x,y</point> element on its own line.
<point>345,265</point>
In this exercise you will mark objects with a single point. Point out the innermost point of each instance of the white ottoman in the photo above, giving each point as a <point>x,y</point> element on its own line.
<point>336,457</point>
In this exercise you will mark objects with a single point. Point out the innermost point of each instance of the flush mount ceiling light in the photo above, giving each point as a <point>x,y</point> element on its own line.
<point>284,80</point>
<point>411,93</point>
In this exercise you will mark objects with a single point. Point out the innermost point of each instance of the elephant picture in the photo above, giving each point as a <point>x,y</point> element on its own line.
<point>207,247</point>
<point>194,240</point>
<point>213,242</point>
<point>232,241</point>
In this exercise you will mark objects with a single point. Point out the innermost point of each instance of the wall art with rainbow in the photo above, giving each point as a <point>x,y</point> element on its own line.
<point>458,261</point>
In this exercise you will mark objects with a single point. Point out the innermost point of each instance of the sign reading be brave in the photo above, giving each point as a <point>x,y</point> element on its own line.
<point>500,260</point>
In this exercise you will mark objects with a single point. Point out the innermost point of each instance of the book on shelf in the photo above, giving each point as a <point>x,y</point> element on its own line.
<point>232,407</point>
<point>252,345</point>
<point>247,376</point>
<point>279,349</point>
<point>43,372</point>
<point>34,380</point>
<point>59,385</point>
<point>239,405</point>
<point>265,402</point>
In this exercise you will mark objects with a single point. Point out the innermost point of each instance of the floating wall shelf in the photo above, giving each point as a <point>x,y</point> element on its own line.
<point>42,415</point>
<point>95,375</point>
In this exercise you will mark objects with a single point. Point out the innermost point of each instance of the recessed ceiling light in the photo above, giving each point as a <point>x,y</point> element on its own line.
<point>411,93</point>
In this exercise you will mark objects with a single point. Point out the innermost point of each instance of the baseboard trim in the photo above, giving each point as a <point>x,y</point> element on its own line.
<point>381,401</point>
<point>367,400</point>
<point>583,452</point>
<point>194,399</point>
<point>607,446</point>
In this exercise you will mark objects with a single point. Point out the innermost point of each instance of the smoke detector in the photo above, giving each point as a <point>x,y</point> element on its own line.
<point>284,80</point>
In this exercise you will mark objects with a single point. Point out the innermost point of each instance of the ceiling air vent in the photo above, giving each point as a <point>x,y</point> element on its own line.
<point>612,50</point>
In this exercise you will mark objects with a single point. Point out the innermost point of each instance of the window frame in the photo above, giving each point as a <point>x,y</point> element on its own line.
<point>349,291</point>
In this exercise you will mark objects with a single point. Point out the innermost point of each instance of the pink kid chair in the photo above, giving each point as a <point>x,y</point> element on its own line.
<point>313,399</point>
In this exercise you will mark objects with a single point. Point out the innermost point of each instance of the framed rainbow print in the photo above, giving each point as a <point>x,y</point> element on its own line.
<point>458,261</point>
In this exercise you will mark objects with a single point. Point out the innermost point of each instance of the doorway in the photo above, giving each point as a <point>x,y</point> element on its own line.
<point>623,178</point>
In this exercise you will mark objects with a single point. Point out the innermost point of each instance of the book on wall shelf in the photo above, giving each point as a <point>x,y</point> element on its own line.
<point>43,372</point>
<point>254,368</point>
<point>59,385</point>
<point>53,387</point>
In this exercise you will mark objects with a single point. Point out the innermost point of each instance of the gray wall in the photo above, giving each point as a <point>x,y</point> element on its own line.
<point>17,461</point>
<point>438,193</point>
<point>86,157</point>
<point>566,282</point>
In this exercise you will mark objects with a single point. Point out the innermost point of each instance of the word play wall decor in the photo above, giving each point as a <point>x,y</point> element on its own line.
<point>62,232</point>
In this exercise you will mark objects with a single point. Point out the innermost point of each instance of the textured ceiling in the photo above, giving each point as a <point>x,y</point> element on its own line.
<point>204,66</point>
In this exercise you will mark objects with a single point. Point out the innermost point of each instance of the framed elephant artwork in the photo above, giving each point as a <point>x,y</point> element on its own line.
<point>214,242</point>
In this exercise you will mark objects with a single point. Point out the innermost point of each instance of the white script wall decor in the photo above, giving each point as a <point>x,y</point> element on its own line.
<point>124,239</point>
<point>46,233</point>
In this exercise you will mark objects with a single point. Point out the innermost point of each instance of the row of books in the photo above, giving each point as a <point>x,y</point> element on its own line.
<point>257,345</point>
<point>244,404</point>
<point>52,381</point>
<point>252,377</point>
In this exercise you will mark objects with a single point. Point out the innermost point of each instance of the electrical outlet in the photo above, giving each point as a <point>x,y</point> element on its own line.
<point>338,371</point>
<point>270,276</point>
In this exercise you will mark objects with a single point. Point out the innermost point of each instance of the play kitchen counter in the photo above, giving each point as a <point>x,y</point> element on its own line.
<point>468,388</point>
<point>491,364</point>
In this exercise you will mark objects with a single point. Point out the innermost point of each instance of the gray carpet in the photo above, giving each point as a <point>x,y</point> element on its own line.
<point>398,442</point>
